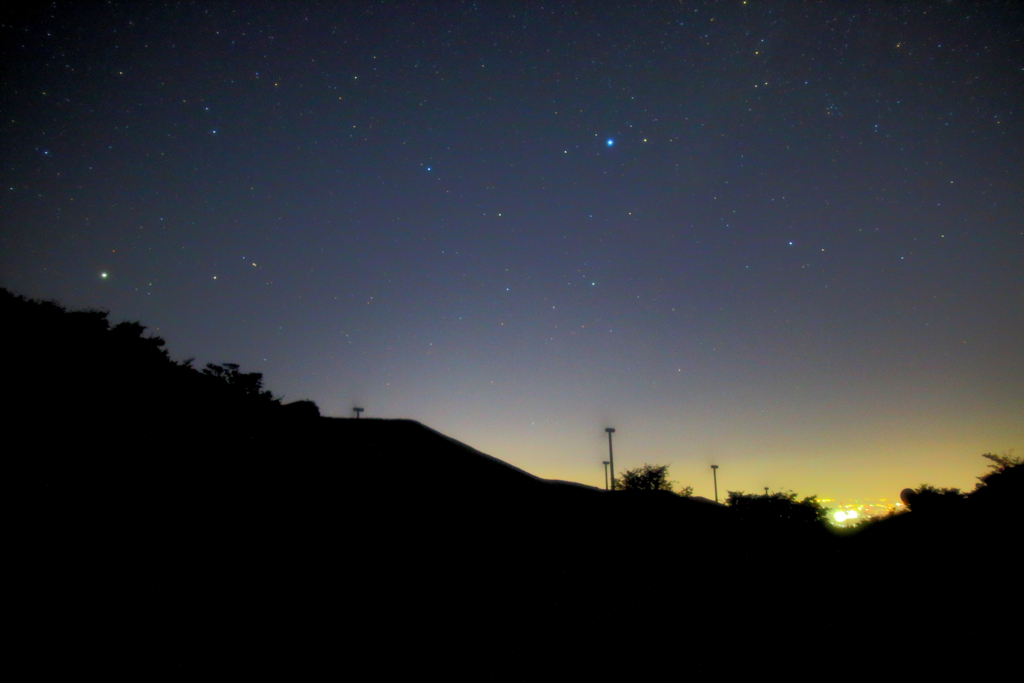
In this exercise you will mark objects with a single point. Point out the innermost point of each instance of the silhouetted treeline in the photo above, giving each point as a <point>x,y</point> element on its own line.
<point>85,382</point>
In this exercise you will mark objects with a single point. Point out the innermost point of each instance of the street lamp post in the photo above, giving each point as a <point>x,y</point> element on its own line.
<point>605,463</point>
<point>611,458</point>
<point>357,411</point>
<point>714,472</point>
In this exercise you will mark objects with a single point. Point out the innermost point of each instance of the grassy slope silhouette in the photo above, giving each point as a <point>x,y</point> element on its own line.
<point>174,521</point>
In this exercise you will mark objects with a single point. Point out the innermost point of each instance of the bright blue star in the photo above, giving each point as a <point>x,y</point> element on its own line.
<point>610,142</point>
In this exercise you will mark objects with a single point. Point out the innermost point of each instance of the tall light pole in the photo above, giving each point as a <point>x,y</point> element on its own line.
<point>714,472</point>
<point>611,457</point>
<point>605,463</point>
<point>357,411</point>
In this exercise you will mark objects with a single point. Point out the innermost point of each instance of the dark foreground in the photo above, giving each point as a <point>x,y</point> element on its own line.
<point>328,546</point>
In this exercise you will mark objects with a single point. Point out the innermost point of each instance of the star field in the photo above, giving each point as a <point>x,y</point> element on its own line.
<point>782,237</point>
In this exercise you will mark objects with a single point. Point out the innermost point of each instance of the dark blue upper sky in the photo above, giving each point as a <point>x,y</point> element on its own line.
<point>785,237</point>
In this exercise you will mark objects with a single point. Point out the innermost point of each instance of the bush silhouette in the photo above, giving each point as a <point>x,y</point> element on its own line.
<point>649,478</point>
<point>777,507</point>
<point>928,498</point>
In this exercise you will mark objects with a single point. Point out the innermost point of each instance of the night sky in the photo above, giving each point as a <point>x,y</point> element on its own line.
<point>786,238</point>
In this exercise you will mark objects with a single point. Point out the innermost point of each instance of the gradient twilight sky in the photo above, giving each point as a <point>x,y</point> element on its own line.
<point>783,237</point>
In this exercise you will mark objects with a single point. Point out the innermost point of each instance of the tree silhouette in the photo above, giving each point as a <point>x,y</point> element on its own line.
<point>999,492</point>
<point>648,478</point>
<point>1000,464</point>
<point>243,384</point>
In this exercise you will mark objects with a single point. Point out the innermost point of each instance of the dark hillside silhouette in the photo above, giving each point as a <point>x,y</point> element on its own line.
<point>186,520</point>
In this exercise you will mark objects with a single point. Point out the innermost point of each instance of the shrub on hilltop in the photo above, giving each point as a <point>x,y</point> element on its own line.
<point>779,507</point>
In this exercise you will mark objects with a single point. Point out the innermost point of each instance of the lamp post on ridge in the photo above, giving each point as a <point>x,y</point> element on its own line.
<point>605,463</point>
<point>611,458</point>
<point>714,472</point>
<point>357,411</point>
